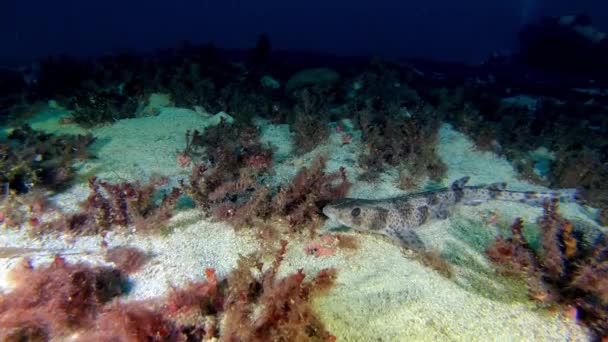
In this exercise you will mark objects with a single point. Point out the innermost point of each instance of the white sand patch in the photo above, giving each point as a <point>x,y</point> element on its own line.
<point>463,159</point>
<point>48,120</point>
<point>383,295</point>
<point>138,148</point>
<point>176,259</point>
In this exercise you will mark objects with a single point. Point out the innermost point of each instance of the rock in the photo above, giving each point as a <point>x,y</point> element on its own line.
<point>321,77</point>
<point>268,81</point>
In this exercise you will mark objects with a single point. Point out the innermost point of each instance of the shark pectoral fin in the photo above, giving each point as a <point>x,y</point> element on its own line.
<point>442,212</point>
<point>460,183</point>
<point>407,238</point>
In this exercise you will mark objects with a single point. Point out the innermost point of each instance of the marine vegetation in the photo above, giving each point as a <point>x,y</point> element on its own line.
<point>49,301</point>
<point>31,158</point>
<point>111,206</point>
<point>246,200</point>
<point>406,140</point>
<point>91,108</point>
<point>310,121</point>
<point>230,148</point>
<point>62,300</point>
<point>564,270</point>
<point>398,128</point>
<point>301,202</point>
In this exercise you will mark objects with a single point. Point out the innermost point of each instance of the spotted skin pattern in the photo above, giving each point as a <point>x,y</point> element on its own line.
<point>399,217</point>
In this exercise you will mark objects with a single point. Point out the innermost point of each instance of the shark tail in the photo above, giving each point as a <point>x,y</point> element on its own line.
<point>538,198</point>
<point>473,195</point>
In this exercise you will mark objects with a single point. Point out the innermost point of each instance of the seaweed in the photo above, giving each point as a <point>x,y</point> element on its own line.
<point>198,295</point>
<point>92,108</point>
<point>406,140</point>
<point>384,87</point>
<point>260,54</point>
<point>50,300</point>
<point>246,201</point>
<point>271,309</point>
<point>301,201</point>
<point>310,124</point>
<point>210,191</point>
<point>60,76</point>
<point>130,204</point>
<point>514,254</point>
<point>59,299</point>
<point>130,322</point>
<point>62,299</point>
<point>127,259</point>
<point>16,210</point>
<point>244,101</point>
<point>437,262</point>
<point>32,158</point>
<point>200,184</point>
<point>564,271</point>
<point>189,88</point>
<point>587,170</point>
<point>12,212</point>
<point>255,208</point>
<point>230,187</point>
<point>230,147</point>
<point>119,205</point>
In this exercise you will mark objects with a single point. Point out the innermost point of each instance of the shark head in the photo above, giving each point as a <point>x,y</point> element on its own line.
<point>361,215</point>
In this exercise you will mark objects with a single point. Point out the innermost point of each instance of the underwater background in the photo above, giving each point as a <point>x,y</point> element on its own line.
<point>319,171</point>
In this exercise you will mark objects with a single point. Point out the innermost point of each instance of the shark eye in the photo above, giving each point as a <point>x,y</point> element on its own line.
<point>355,212</point>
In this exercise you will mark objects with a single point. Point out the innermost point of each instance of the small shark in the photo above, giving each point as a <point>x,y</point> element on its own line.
<point>399,217</point>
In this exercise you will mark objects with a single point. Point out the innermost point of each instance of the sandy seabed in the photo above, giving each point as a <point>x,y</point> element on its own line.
<point>382,292</point>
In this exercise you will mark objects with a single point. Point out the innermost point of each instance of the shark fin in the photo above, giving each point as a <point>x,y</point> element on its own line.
<point>407,238</point>
<point>459,183</point>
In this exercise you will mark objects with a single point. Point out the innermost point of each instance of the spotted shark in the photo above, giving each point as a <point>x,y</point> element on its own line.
<point>399,217</point>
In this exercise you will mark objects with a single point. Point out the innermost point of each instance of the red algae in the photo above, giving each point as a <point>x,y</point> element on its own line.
<point>127,259</point>
<point>62,300</point>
